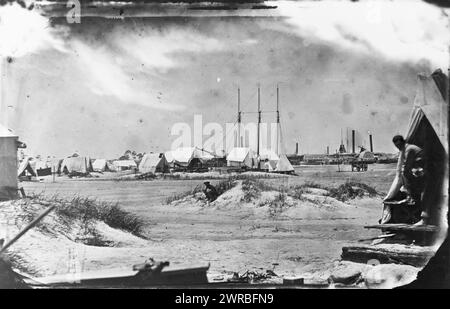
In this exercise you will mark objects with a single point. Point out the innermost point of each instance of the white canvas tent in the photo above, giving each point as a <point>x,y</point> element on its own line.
<point>169,157</point>
<point>76,164</point>
<point>56,165</point>
<point>28,165</point>
<point>428,129</point>
<point>241,157</point>
<point>184,156</point>
<point>268,154</point>
<point>153,162</point>
<point>268,159</point>
<point>283,165</point>
<point>273,162</point>
<point>8,164</point>
<point>99,165</point>
<point>102,165</point>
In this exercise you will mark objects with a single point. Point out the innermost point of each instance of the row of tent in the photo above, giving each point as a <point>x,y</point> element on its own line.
<point>155,162</point>
<point>242,157</point>
<point>34,167</point>
<point>267,160</point>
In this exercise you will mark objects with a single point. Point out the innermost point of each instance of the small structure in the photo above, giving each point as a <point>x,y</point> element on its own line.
<point>154,163</point>
<point>43,168</point>
<point>362,160</point>
<point>366,156</point>
<point>242,157</point>
<point>124,165</point>
<point>8,164</point>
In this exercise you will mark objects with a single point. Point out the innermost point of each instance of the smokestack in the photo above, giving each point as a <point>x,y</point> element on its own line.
<point>296,148</point>
<point>353,141</point>
<point>328,150</point>
<point>371,143</point>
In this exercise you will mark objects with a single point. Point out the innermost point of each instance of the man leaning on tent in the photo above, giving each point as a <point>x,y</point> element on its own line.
<point>418,193</point>
<point>413,174</point>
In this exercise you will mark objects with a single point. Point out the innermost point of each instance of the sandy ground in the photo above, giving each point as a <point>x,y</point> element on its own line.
<point>304,239</point>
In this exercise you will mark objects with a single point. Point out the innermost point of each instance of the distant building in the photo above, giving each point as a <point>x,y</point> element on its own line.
<point>8,164</point>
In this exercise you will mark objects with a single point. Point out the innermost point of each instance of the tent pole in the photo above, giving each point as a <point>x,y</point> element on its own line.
<point>259,122</point>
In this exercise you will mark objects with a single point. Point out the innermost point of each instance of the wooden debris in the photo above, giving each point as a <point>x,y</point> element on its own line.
<point>293,281</point>
<point>404,227</point>
<point>416,256</point>
<point>377,237</point>
<point>139,276</point>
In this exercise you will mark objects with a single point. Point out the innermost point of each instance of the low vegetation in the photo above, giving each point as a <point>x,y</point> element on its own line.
<point>88,210</point>
<point>252,189</point>
<point>351,190</point>
<point>182,195</point>
<point>277,205</point>
<point>221,187</point>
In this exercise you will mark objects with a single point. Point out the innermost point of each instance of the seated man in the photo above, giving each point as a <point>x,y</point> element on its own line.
<point>413,172</point>
<point>210,192</point>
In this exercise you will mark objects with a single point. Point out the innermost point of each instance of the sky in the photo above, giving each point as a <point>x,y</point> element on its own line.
<point>106,85</point>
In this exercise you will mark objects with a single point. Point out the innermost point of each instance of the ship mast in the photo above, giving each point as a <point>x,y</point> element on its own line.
<point>239,117</point>
<point>278,117</point>
<point>259,122</point>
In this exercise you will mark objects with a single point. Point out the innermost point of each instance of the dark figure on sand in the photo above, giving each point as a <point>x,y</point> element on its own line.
<point>210,192</point>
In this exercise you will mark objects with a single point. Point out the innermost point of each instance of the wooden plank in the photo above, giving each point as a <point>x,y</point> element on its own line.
<point>388,253</point>
<point>404,227</point>
<point>127,277</point>
<point>377,237</point>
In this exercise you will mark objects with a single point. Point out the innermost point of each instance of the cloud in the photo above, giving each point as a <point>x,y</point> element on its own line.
<point>127,64</point>
<point>155,49</point>
<point>405,31</point>
<point>24,31</point>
